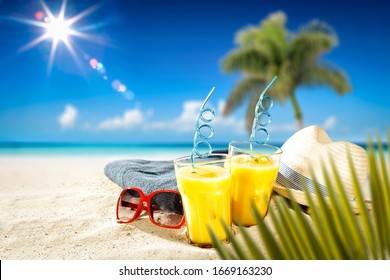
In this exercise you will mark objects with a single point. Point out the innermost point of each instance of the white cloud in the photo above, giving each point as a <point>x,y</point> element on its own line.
<point>221,105</point>
<point>68,117</point>
<point>185,122</point>
<point>130,119</point>
<point>330,122</point>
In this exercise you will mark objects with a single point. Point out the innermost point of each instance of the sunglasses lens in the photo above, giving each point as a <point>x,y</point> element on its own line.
<point>167,208</point>
<point>128,205</point>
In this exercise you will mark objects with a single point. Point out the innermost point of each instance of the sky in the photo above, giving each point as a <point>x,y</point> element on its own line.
<point>138,71</point>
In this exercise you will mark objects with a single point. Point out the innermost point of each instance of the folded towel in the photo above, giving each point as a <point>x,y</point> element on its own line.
<point>147,175</point>
<point>144,174</point>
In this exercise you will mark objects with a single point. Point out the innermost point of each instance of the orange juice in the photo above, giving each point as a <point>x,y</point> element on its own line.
<point>206,195</point>
<point>254,177</point>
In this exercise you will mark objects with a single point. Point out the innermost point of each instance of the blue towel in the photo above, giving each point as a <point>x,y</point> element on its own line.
<point>148,175</point>
<point>144,174</point>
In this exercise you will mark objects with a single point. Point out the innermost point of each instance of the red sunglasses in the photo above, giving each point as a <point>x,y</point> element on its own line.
<point>164,207</point>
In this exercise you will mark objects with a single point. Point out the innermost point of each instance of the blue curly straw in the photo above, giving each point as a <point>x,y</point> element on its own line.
<point>198,132</point>
<point>258,125</point>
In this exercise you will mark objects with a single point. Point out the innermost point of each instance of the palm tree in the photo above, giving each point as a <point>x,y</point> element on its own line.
<point>270,49</point>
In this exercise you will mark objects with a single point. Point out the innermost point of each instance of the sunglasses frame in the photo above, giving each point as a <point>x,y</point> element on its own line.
<point>145,205</point>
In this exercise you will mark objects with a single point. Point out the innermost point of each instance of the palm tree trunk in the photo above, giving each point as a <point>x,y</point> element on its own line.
<point>297,112</point>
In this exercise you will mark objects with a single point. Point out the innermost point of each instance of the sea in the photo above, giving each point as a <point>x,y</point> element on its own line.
<point>110,149</point>
<point>102,149</point>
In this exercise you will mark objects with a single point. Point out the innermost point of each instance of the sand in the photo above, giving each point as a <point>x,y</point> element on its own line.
<point>55,208</point>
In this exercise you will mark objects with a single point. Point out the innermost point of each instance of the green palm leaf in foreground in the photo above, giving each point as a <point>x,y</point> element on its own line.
<point>333,230</point>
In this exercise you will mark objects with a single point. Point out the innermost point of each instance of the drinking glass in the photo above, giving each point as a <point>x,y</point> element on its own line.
<point>205,188</point>
<point>254,168</point>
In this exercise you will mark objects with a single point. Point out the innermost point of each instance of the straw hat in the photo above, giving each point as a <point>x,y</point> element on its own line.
<point>306,151</point>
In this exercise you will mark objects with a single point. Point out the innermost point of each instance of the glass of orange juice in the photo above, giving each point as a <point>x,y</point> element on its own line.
<point>205,188</point>
<point>254,169</point>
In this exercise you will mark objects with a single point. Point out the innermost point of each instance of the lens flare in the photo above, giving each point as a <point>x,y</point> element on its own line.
<point>122,88</point>
<point>116,84</point>
<point>99,66</point>
<point>129,95</point>
<point>39,15</point>
<point>102,70</point>
<point>93,63</point>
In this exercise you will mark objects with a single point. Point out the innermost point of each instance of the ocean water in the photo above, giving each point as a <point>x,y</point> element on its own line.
<point>87,149</point>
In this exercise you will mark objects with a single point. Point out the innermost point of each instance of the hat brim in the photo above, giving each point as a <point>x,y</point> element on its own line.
<point>300,197</point>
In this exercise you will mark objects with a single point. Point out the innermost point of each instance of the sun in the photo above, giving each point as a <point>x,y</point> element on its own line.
<point>58,29</point>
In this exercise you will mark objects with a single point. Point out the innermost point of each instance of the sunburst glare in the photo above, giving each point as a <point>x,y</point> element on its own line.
<point>58,29</point>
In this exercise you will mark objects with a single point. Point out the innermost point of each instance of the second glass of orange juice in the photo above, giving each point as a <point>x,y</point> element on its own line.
<point>254,169</point>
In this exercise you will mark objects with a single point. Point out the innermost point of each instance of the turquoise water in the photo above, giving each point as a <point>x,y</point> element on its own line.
<point>84,149</point>
<point>10,149</point>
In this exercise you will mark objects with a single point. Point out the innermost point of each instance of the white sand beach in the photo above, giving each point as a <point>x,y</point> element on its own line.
<point>55,208</point>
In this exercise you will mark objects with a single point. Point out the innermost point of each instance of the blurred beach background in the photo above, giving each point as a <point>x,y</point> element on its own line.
<point>134,72</point>
<point>83,83</point>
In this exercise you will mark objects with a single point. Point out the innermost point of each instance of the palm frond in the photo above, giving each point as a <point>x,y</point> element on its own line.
<point>363,211</point>
<point>272,27</point>
<point>286,84</point>
<point>221,249</point>
<point>317,26</point>
<point>313,246</point>
<point>331,230</point>
<point>329,75</point>
<point>270,36</point>
<point>252,60</point>
<point>244,88</point>
<point>251,111</point>
<point>307,46</point>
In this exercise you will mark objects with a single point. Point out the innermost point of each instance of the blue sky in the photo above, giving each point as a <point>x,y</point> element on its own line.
<point>164,57</point>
